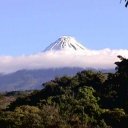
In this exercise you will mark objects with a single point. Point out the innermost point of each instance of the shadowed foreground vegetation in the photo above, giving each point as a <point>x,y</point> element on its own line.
<point>87,100</point>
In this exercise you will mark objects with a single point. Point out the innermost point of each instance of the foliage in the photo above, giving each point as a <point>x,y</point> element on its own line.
<point>87,100</point>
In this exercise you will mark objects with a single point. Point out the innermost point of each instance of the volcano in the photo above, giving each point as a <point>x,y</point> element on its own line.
<point>65,43</point>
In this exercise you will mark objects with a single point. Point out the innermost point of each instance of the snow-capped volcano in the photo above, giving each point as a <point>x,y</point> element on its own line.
<point>67,43</point>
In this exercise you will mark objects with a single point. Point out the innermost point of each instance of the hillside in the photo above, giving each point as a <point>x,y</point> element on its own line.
<point>32,79</point>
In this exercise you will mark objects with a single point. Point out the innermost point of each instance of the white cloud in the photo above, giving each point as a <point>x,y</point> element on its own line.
<point>90,58</point>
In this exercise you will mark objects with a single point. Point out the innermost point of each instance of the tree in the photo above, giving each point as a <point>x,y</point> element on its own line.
<point>126,2</point>
<point>122,80</point>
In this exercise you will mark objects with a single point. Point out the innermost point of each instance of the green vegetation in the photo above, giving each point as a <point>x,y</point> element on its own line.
<point>87,100</point>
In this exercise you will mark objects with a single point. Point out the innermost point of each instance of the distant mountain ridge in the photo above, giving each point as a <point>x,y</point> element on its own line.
<point>32,79</point>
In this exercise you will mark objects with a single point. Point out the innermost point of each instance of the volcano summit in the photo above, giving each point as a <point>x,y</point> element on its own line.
<point>67,43</point>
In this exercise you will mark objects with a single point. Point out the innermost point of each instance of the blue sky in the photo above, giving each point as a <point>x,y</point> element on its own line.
<point>28,26</point>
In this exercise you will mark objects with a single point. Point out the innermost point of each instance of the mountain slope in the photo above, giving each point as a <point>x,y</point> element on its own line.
<point>32,79</point>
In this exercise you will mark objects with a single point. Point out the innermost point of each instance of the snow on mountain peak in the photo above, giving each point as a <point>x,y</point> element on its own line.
<point>67,43</point>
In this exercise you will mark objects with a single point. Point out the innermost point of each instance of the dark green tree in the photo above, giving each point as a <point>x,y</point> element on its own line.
<point>122,80</point>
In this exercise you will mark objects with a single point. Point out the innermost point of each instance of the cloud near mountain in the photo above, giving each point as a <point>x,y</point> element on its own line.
<point>55,59</point>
